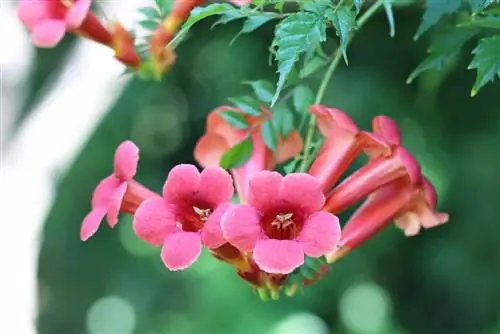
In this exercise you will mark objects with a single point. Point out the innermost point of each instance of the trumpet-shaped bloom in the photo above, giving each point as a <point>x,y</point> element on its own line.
<point>187,216</point>
<point>221,136</point>
<point>282,222</point>
<point>110,193</point>
<point>388,162</point>
<point>343,143</point>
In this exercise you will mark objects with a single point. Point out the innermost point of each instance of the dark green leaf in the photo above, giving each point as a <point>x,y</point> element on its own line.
<point>477,6</point>
<point>283,119</point>
<point>149,24</point>
<point>312,66</point>
<point>247,105</point>
<point>487,62</point>
<point>344,22</point>
<point>445,46</point>
<point>480,22</point>
<point>150,13</point>
<point>264,90</point>
<point>235,118</point>
<point>200,13</point>
<point>303,97</point>
<point>434,10</point>
<point>390,17</point>
<point>237,155</point>
<point>295,35</point>
<point>269,135</point>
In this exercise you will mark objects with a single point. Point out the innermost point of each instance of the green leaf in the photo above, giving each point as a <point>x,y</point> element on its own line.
<point>477,6</point>
<point>295,35</point>
<point>344,22</point>
<point>264,90</point>
<point>247,105</point>
<point>445,46</point>
<point>480,22</point>
<point>358,4</point>
<point>256,21</point>
<point>150,13</point>
<point>237,155</point>
<point>149,24</point>
<point>434,10</point>
<point>312,66</point>
<point>269,135</point>
<point>235,118</point>
<point>317,6</point>
<point>390,17</point>
<point>283,119</point>
<point>487,62</point>
<point>200,13</point>
<point>233,15</point>
<point>303,97</point>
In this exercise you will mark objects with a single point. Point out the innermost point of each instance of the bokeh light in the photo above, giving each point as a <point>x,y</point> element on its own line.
<point>111,314</point>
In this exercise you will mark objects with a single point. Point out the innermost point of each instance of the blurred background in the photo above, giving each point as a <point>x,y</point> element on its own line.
<point>65,110</point>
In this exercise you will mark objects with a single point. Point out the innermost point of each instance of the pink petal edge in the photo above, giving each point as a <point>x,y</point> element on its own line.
<point>241,227</point>
<point>181,250</point>
<point>302,190</point>
<point>278,256</point>
<point>320,234</point>
<point>91,222</point>
<point>211,234</point>
<point>48,33</point>
<point>263,190</point>
<point>216,186</point>
<point>154,221</point>
<point>126,160</point>
<point>182,183</point>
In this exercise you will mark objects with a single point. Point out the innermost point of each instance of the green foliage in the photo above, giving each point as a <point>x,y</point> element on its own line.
<point>477,6</point>
<point>434,10</point>
<point>283,119</point>
<point>238,154</point>
<point>247,104</point>
<point>264,90</point>
<point>256,21</point>
<point>303,97</point>
<point>312,65</point>
<point>476,21</point>
<point>344,21</point>
<point>295,35</point>
<point>445,46</point>
<point>486,61</point>
<point>269,135</point>
<point>390,17</point>
<point>235,118</point>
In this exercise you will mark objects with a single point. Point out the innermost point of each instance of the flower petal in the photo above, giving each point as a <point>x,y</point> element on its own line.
<point>77,13</point>
<point>278,256</point>
<point>211,234</point>
<point>48,33</point>
<point>290,147</point>
<point>210,149</point>
<point>180,250</point>
<point>126,159</point>
<point>216,186</point>
<point>263,192</point>
<point>92,222</point>
<point>387,128</point>
<point>153,221</point>
<point>182,183</point>
<point>115,204</point>
<point>104,191</point>
<point>241,227</point>
<point>303,191</point>
<point>330,119</point>
<point>32,12</point>
<point>320,234</point>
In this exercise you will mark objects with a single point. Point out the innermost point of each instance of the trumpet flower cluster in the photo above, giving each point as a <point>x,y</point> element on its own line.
<point>280,223</point>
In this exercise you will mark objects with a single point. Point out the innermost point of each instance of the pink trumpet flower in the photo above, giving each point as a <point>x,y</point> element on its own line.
<point>389,161</point>
<point>187,216</point>
<point>282,222</point>
<point>117,192</point>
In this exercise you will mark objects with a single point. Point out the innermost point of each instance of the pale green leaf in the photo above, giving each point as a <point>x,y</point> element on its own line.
<point>269,135</point>
<point>237,155</point>
<point>256,21</point>
<point>303,97</point>
<point>264,90</point>
<point>486,61</point>
<point>345,24</point>
<point>480,22</point>
<point>247,105</point>
<point>390,17</point>
<point>234,118</point>
<point>477,6</point>
<point>312,66</point>
<point>358,4</point>
<point>150,13</point>
<point>434,10</point>
<point>283,119</point>
<point>149,24</point>
<point>295,35</point>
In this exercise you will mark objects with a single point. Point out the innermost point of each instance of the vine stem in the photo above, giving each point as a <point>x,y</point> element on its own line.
<point>326,79</point>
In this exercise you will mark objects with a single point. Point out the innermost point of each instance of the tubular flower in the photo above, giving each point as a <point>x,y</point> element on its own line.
<point>117,192</point>
<point>410,206</point>
<point>49,20</point>
<point>187,216</point>
<point>122,43</point>
<point>343,144</point>
<point>221,136</point>
<point>388,162</point>
<point>282,222</point>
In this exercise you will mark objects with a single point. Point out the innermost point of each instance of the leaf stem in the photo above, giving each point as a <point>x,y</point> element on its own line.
<point>326,79</point>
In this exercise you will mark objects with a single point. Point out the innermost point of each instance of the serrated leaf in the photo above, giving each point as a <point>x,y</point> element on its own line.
<point>269,135</point>
<point>312,66</point>
<point>235,118</point>
<point>487,62</point>
<point>390,17</point>
<point>477,6</point>
<point>434,10</point>
<point>303,97</point>
<point>264,90</point>
<point>480,22</point>
<point>237,155</point>
<point>317,6</point>
<point>344,22</point>
<point>149,24</point>
<point>445,46</point>
<point>256,21</point>
<point>295,35</point>
<point>150,13</point>
<point>283,119</point>
<point>247,105</point>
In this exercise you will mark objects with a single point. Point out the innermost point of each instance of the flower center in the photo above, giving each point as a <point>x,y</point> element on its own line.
<point>192,218</point>
<point>283,224</point>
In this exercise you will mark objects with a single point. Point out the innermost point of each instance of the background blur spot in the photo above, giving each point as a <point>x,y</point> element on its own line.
<point>110,315</point>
